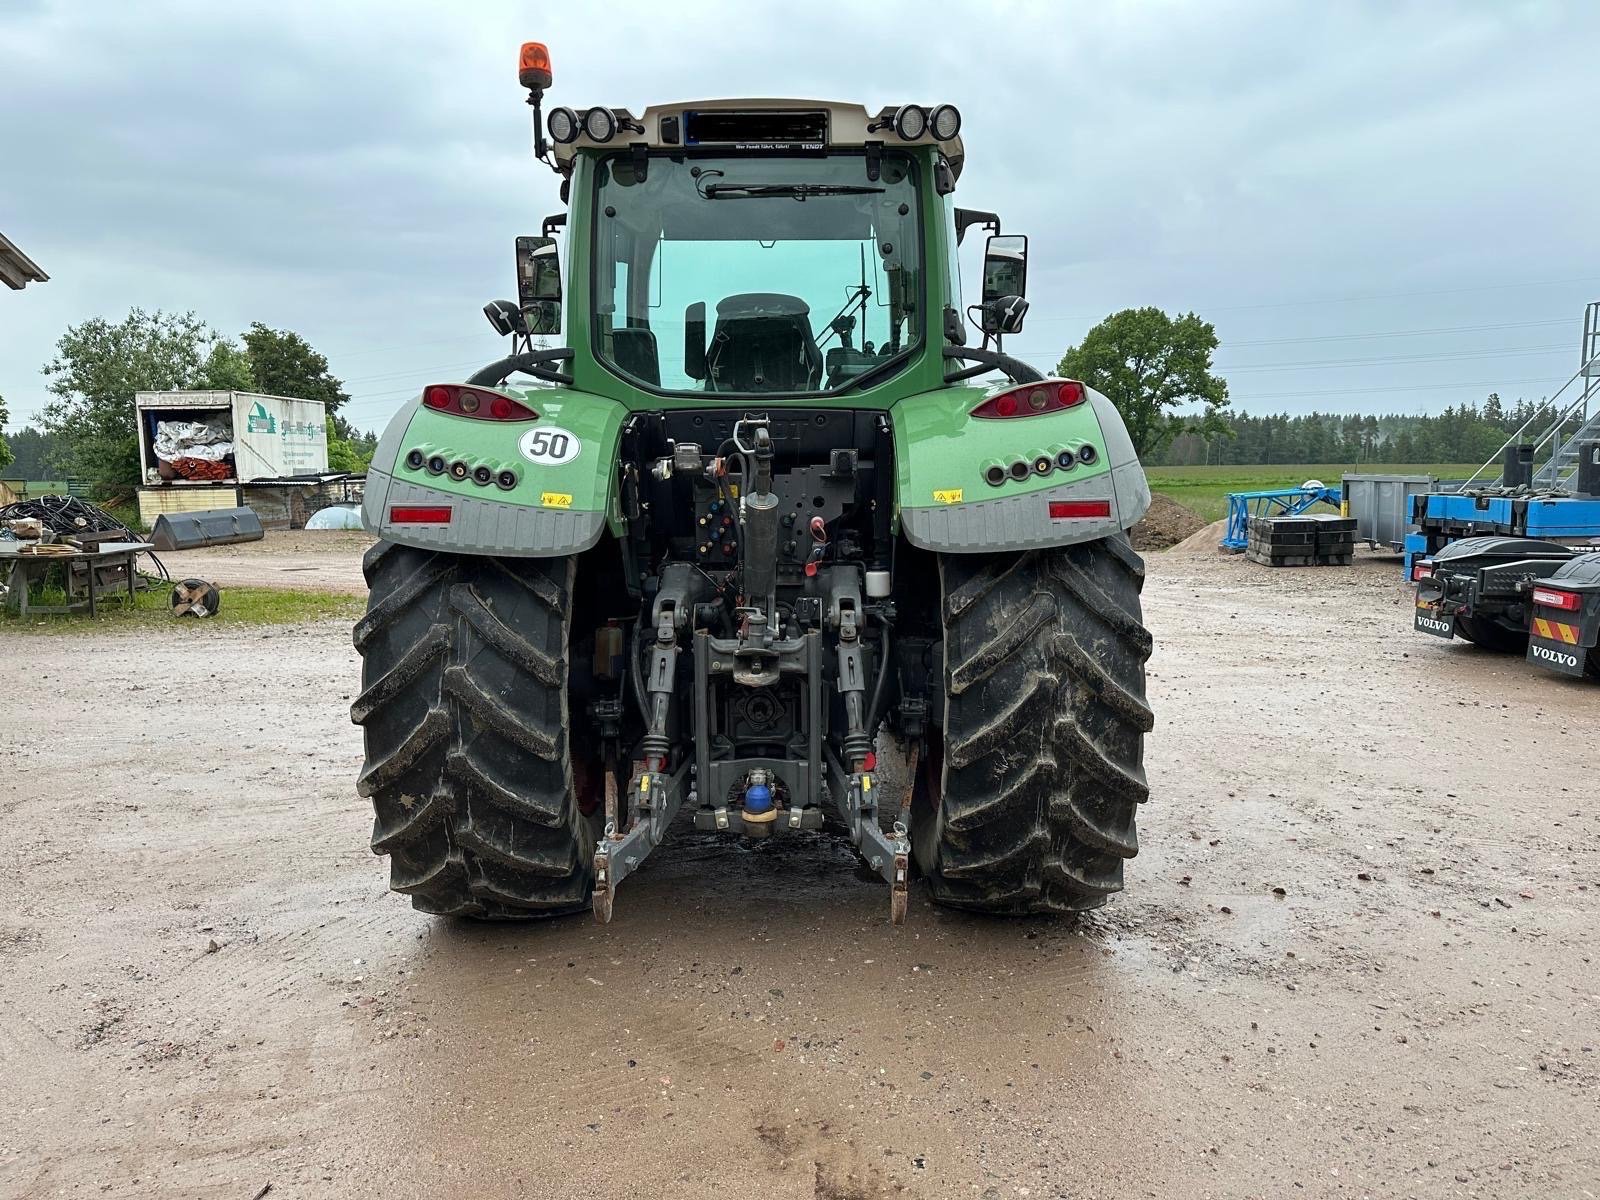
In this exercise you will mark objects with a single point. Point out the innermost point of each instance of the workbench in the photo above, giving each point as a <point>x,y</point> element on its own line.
<point>20,570</point>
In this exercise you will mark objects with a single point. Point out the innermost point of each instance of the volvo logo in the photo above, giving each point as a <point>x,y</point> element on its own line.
<point>1434,625</point>
<point>1559,657</point>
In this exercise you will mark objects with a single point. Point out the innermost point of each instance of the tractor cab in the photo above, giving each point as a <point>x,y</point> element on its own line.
<point>756,247</point>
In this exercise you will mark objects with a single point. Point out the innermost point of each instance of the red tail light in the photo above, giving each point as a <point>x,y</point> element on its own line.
<point>1061,510</point>
<point>424,514</point>
<point>1421,571</point>
<point>470,402</point>
<point>1032,399</point>
<point>1550,598</point>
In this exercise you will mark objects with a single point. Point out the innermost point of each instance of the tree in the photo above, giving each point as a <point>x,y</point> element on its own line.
<point>350,455</point>
<point>284,364</point>
<point>32,454</point>
<point>6,458</point>
<point>1150,365</point>
<point>99,366</point>
<point>229,369</point>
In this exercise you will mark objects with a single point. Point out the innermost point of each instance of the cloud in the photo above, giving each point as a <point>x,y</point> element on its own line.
<point>357,171</point>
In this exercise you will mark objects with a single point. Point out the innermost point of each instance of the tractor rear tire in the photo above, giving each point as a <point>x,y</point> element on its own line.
<point>1026,799</point>
<point>1491,635</point>
<point>464,712</point>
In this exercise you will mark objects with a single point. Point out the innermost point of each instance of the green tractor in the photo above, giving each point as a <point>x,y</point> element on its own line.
<point>755,511</point>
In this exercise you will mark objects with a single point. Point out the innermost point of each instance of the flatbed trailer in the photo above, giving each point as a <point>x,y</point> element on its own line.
<point>1445,517</point>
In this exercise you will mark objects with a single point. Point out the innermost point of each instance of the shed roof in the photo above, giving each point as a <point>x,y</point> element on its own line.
<point>17,270</point>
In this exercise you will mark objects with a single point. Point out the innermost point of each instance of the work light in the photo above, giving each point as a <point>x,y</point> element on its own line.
<point>945,121</point>
<point>911,122</point>
<point>563,125</point>
<point>600,124</point>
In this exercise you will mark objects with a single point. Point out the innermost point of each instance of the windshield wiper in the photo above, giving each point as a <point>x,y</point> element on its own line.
<point>791,191</point>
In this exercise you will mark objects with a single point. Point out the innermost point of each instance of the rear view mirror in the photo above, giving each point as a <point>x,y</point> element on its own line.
<point>694,340</point>
<point>541,317</point>
<point>539,284</point>
<point>1005,267</point>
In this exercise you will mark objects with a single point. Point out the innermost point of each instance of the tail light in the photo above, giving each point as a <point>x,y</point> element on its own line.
<point>1550,598</point>
<point>1063,510</point>
<point>419,514</point>
<point>1032,399</point>
<point>469,402</point>
<point>1421,571</point>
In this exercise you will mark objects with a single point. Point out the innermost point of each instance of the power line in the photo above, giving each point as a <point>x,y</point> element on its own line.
<point>1394,333</point>
<point>1420,387</point>
<point>1488,287</point>
<point>1449,356</point>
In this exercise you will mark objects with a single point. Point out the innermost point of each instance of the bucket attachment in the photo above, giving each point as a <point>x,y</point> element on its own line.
<point>214,527</point>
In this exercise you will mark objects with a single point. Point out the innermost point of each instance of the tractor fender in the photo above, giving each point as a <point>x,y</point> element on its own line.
<point>946,502</point>
<point>563,461</point>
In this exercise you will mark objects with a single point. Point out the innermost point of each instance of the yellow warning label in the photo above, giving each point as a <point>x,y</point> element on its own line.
<point>866,783</point>
<point>556,499</point>
<point>947,496</point>
<point>644,784</point>
<point>1555,631</point>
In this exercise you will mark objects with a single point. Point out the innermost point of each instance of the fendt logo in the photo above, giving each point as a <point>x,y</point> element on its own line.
<point>1433,625</point>
<point>1560,657</point>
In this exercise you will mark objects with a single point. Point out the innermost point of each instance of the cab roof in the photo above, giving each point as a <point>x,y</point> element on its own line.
<point>667,127</point>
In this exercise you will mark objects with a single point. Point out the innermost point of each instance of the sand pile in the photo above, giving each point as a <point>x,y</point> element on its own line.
<point>1203,541</point>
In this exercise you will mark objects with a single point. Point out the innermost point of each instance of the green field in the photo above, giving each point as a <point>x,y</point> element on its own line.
<point>1205,489</point>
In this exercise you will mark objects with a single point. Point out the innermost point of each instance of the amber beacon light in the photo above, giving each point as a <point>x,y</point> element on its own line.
<point>533,66</point>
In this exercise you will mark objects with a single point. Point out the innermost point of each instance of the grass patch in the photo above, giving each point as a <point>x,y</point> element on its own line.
<point>242,606</point>
<point>1205,489</point>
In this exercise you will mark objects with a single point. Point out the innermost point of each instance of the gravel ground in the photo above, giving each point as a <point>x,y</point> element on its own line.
<point>1356,956</point>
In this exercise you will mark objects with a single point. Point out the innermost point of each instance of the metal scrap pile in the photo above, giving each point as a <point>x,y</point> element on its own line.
<point>66,519</point>
<point>65,516</point>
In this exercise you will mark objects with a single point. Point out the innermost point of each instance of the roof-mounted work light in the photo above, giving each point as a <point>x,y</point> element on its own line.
<point>563,125</point>
<point>945,121</point>
<point>600,124</point>
<point>911,121</point>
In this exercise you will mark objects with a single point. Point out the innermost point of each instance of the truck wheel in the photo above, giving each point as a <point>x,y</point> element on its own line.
<point>1025,800</point>
<point>1491,635</point>
<point>464,712</point>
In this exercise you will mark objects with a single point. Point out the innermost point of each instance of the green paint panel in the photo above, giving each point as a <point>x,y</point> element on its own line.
<point>941,448</point>
<point>583,483</point>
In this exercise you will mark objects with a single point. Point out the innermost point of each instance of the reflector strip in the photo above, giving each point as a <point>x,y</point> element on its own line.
<point>1555,631</point>
<point>420,515</point>
<point>1062,510</point>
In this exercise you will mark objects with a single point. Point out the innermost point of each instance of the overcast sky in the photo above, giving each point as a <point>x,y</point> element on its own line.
<point>1381,206</point>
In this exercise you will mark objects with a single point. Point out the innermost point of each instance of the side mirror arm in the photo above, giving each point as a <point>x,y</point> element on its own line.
<point>989,360</point>
<point>530,363</point>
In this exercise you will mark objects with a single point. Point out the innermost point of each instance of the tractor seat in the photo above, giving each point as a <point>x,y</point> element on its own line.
<point>763,343</point>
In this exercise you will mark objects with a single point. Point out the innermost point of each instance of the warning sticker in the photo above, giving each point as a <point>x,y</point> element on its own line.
<point>947,496</point>
<point>1555,631</point>
<point>556,499</point>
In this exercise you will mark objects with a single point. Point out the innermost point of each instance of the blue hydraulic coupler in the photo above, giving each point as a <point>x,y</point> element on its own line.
<point>758,799</point>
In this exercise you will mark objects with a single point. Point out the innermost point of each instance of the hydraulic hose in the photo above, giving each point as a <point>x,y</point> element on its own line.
<point>876,707</point>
